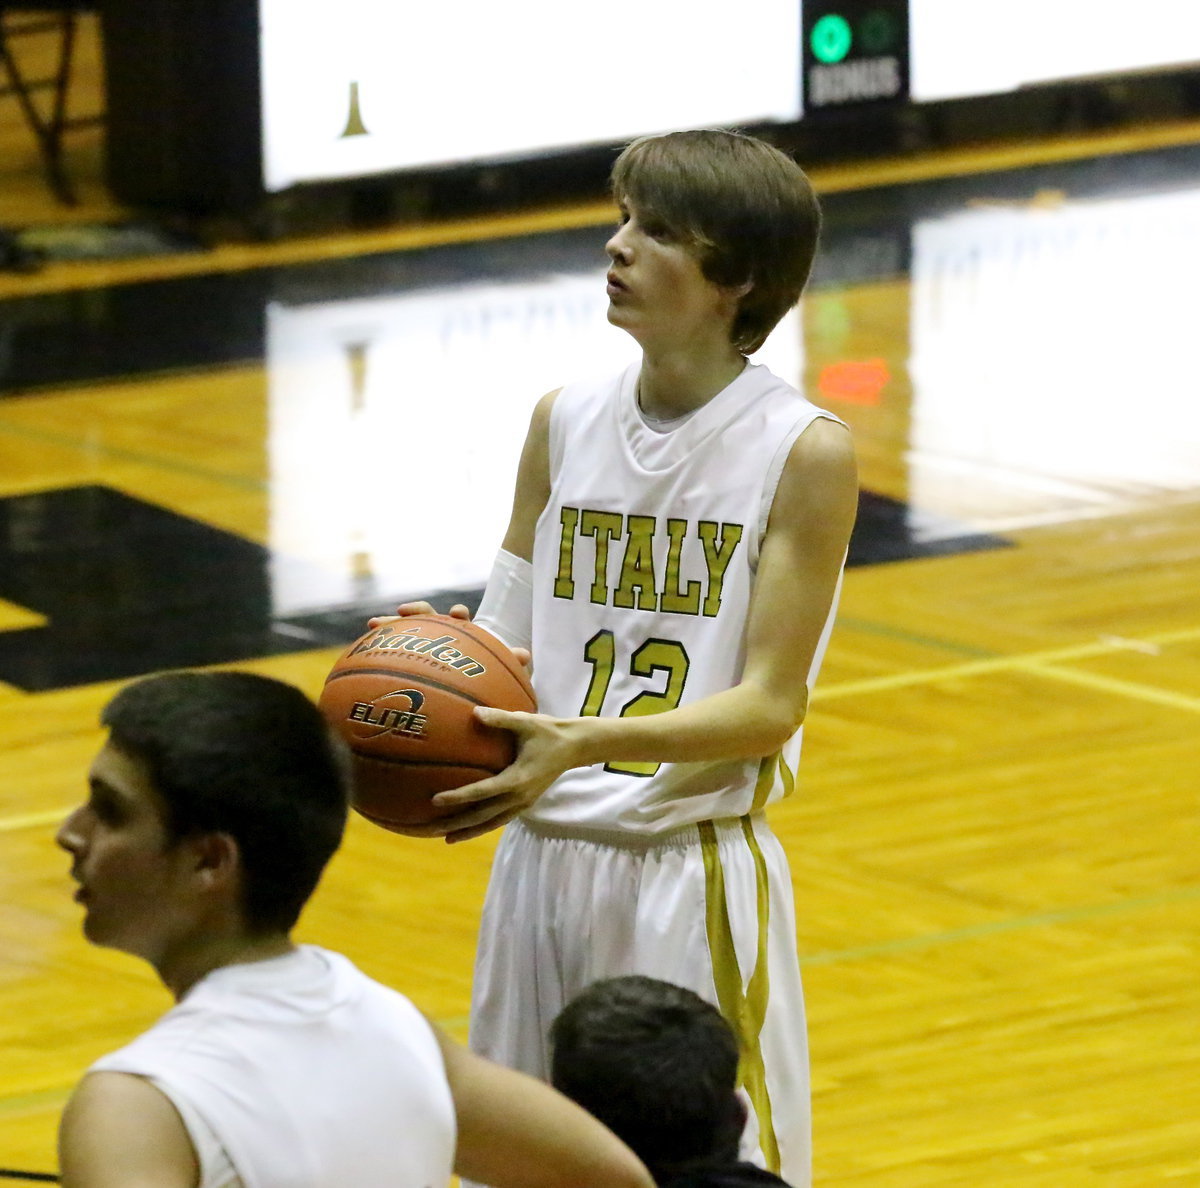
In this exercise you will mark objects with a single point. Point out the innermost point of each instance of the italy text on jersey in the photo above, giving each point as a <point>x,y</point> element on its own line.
<point>640,584</point>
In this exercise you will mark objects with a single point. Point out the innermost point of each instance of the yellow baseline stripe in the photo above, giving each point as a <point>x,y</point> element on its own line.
<point>32,820</point>
<point>237,257</point>
<point>997,155</point>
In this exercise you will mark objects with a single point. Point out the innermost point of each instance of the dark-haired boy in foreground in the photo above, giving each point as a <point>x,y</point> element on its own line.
<point>212,811</point>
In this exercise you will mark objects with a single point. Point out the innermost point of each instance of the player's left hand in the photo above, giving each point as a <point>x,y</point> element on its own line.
<point>457,611</point>
<point>544,752</point>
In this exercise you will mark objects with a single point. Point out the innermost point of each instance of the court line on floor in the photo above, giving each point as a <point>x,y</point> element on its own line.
<point>1044,664</point>
<point>1085,913</point>
<point>1081,914</point>
<point>888,631</point>
<point>1040,663</point>
<point>1133,689</point>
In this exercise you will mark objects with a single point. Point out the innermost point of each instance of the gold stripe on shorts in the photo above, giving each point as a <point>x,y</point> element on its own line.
<point>744,1005</point>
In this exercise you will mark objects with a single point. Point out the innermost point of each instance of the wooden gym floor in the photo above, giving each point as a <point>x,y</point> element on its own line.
<point>227,456</point>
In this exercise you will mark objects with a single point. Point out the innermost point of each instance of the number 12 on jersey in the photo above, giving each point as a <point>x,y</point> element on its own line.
<point>655,655</point>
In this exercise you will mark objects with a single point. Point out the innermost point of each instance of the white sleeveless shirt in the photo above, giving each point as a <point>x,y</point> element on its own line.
<point>299,1072</point>
<point>643,571</point>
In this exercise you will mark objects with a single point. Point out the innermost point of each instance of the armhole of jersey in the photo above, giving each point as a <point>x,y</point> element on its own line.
<point>216,1168</point>
<point>775,472</point>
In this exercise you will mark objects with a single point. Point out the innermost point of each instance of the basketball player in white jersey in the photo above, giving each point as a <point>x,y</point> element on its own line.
<point>213,809</point>
<point>672,562</point>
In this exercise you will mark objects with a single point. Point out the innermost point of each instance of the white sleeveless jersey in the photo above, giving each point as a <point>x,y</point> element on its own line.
<point>305,1072</point>
<point>643,569</point>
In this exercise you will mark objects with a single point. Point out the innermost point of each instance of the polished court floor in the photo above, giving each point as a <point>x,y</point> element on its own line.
<point>232,457</point>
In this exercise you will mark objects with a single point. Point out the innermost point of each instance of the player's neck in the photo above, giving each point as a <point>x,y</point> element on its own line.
<point>673,384</point>
<point>181,969</point>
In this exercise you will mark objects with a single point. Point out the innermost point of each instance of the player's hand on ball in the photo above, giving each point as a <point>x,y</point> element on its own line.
<point>544,752</point>
<point>457,611</point>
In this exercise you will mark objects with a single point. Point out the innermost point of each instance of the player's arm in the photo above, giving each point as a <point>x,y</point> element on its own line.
<point>119,1131</point>
<point>506,609</point>
<point>799,565</point>
<point>516,1132</point>
<point>532,488</point>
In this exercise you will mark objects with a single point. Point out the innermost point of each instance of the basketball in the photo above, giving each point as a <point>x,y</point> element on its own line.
<point>402,697</point>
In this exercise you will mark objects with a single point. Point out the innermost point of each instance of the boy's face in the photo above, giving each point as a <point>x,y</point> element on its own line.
<point>656,289</point>
<point>133,883</point>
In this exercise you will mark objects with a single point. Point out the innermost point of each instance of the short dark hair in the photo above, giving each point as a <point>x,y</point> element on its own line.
<point>746,208</point>
<point>237,753</point>
<point>657,1065</point>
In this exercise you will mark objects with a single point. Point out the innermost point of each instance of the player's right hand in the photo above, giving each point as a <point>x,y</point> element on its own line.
<point>457,611</point>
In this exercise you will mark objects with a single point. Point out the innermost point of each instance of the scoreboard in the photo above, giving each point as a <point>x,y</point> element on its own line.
<point>854,52</point>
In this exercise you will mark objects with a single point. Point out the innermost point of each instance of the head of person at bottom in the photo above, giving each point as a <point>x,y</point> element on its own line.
<point>212,810</point>
<point>659,1066</point>
<point>741,208</point>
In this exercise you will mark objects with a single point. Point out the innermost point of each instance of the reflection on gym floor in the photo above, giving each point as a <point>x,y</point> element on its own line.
<point>1010,350</point>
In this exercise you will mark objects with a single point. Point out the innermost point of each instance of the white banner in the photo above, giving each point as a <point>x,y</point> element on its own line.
<point>358,87</point>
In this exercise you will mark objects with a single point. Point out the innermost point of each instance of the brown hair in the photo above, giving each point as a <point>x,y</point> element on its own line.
<point>747,209</point>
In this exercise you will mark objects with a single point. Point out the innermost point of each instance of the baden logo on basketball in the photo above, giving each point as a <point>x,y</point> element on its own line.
<point>442,649</point>
<point>388,719</point>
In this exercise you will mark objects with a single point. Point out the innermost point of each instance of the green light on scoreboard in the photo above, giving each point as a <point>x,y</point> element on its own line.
<point>831,39</point>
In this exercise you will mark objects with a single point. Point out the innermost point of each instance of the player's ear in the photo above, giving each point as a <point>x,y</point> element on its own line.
<point>217,858</point>
<point>733,295</point>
